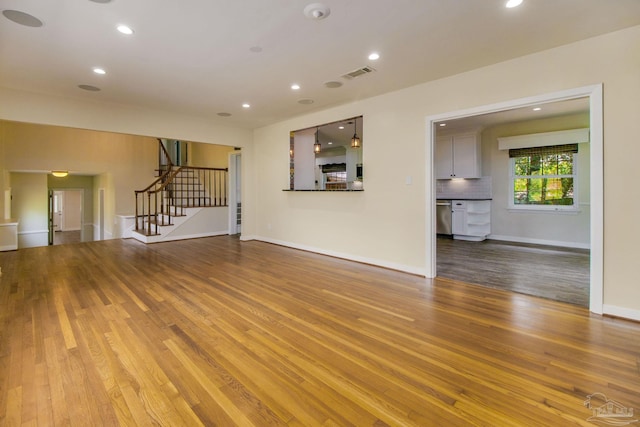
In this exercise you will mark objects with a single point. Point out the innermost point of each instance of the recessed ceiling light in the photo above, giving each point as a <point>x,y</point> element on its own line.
<point>224,114</point>
<point>89,88</point>
<point>537,109</point>
<point>330,143</point>
<point>245,105</point>
<point>125,30</point>
<point>442,125</point>
<point>340,127</point>
<point>374,56</point>
<point>98,70</point>
<point>295,86</point>
<point>513,3</point>
<point>22,18</point>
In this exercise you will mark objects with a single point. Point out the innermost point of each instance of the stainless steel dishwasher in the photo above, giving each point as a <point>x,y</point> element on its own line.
<point>443,217</point>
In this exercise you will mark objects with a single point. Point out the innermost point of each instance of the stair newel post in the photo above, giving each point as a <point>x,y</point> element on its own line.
<point>162,204</point>
<point>136,193</point>
<point>155,201</point>
<point>216,195</point>
<point>214,189</point>
<point>226,188</point>
<point>149,212</point>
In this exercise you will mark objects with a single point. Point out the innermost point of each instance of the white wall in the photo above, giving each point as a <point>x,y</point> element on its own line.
<point>304,160</point>
<point>385,224</point>
<point>559,228</point>
<point>30,205</point>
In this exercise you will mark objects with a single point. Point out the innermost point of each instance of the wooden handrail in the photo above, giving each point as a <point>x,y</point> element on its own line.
<point>199,187</point>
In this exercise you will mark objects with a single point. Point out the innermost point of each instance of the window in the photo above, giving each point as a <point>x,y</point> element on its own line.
<point>544,177</point>
<point>327,157</point>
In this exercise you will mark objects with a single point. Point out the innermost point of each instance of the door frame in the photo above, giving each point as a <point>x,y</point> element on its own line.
<point>596,125</point>
<point>235,158</point>
<point>52,190</point>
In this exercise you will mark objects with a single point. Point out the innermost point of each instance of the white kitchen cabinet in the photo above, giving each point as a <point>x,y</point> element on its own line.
<point>458,156</point>
<point>471,219</point>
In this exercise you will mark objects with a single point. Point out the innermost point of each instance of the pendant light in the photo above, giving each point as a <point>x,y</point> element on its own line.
<point>355,141</point>
<point>316,146</point>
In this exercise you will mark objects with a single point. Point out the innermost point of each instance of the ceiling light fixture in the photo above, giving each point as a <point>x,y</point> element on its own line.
<point>513,3</point>
<point>246,105</point>
<point>442,125</point>
<point>537,109</point>
<point>125,30</point>
<point>98,70</point>
<point>355,141</point>
<point>317,147</point>
<point>374,56</point>
<point>59,174</point>
<point>295,86</point>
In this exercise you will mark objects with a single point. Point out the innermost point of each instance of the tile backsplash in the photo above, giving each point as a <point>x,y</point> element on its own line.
<point>464,188</point>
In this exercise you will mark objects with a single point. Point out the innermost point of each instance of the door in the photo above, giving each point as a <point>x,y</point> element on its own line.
<point>58,208</point>
<point>50,217</point>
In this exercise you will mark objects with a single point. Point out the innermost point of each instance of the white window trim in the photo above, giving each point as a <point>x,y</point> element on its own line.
<point>545,208</point>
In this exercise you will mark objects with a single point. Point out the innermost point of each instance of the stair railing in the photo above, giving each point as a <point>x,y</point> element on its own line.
<point>177,189</point>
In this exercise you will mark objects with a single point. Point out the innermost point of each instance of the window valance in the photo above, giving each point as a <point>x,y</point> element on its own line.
<point>546,139</point>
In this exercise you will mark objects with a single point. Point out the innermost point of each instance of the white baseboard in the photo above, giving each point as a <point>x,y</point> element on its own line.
<point>170,238</point>
<point>560,243</point>
<point>626,313</point>
<point>350,257</point>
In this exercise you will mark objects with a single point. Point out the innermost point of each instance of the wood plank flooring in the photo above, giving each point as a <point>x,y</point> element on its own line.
<point>66,237</point>
<point>560,274</point>
<point>221,332</point>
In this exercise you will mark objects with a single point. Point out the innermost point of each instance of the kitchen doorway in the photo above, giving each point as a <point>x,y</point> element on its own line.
<point>594,96</point>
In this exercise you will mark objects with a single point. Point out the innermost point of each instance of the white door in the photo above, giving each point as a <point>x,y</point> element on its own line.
<point>58,209</point>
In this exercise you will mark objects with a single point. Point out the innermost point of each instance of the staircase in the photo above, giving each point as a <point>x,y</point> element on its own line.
<point>181,204</point>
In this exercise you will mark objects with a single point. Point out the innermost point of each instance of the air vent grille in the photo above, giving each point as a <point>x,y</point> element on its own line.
<point>359,72</point>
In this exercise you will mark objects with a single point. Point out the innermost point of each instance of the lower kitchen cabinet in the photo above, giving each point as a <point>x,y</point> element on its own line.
<point>471,219</point>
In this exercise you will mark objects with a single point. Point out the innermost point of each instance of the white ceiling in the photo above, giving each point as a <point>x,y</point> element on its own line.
<point>195,57</point>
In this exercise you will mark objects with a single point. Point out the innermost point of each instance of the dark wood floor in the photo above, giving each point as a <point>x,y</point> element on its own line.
<point>560,274</point>
<point>221,332</point>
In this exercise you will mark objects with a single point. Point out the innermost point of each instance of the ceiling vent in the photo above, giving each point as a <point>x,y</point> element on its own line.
<point>359,72</point>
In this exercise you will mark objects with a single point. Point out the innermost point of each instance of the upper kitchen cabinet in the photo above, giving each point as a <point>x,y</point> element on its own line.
<point>458,156</point>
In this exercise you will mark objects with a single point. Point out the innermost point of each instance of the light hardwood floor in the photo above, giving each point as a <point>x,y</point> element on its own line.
<point>221,332</point>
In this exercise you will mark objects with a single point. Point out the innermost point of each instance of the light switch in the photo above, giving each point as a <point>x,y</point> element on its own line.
<point>408,180</point>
